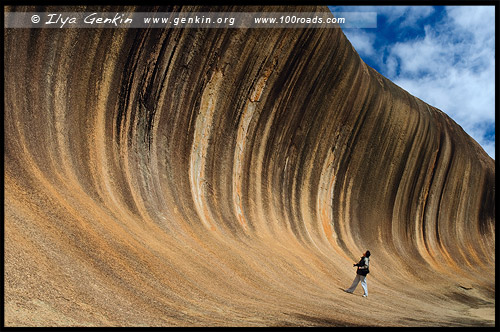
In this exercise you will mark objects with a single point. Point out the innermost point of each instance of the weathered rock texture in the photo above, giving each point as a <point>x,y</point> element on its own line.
<point>231,177</point>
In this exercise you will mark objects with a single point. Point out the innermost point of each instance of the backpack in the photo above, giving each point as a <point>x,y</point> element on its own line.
<point>364,272</point>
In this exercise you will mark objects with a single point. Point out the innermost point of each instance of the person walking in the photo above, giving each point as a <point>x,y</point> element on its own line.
<point>361,272</point>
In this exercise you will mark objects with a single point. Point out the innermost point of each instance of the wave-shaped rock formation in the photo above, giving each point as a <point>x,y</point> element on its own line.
<point>231,177</point>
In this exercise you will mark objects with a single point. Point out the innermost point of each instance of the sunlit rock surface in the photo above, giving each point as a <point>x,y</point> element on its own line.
<point>213,177</point>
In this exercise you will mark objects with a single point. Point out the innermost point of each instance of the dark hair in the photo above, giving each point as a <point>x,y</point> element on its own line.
<point>367,253</point>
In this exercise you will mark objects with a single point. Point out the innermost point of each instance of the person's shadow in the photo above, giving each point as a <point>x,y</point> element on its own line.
<point>343,290</point>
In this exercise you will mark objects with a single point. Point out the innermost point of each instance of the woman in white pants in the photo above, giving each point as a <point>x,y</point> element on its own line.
<point>361,273</point>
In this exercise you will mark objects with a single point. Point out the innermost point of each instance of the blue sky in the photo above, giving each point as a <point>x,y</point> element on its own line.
<point>444,55</point>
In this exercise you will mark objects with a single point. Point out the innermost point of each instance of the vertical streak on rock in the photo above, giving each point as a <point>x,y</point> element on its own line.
<point>325,200</point>
<point>247,117</point>
<point>424,164</point>
<point>103,177</point>
<point>202,132</point>
<point>432,213</point>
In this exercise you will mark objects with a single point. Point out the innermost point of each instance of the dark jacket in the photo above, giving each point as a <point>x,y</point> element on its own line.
<point>363,266</point>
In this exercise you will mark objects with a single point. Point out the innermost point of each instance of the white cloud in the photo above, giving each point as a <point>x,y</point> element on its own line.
<point>363,42</point>
<point>410,15</point>
<point>472,18</point>
<point>391,66</point>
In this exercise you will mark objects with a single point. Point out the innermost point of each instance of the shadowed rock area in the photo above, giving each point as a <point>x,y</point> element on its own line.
<point>231,177</point>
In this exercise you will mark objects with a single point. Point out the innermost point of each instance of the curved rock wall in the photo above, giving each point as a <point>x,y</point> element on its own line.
<point>232,177</point>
